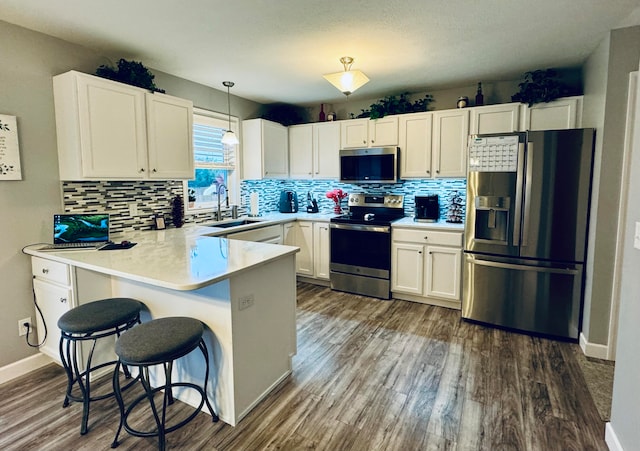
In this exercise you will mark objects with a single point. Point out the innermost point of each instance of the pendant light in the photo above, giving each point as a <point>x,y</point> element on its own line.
<point>349,80</point>
<point>229,137</point>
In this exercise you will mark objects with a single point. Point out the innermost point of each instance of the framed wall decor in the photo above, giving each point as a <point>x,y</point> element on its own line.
<point>9,150</point>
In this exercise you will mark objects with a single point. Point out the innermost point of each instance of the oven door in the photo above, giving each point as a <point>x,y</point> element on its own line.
<point>360,259</point>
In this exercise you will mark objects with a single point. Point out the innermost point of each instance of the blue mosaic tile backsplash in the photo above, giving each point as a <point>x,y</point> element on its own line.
<point>155,196</point>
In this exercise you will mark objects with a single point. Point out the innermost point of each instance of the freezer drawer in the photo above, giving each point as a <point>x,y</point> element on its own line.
<point>525,297</point>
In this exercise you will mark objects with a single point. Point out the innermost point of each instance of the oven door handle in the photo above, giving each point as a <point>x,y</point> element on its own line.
<point>366,228</point>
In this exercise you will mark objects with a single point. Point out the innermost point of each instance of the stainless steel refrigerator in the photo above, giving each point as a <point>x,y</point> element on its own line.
<point>527,213</point>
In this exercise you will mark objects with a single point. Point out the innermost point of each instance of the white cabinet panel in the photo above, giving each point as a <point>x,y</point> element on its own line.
<point>451,130</point>
<point>265,149</point>
<point>415,141</point>
<point>314,150</point>
<point>54,301</point>
<point>559,114</point>
<point>357,133</point>
<point>443,272</point>
<point>321,249</point>
<point>408,268</point>
<point>502,118</point>
<point>354,133</point>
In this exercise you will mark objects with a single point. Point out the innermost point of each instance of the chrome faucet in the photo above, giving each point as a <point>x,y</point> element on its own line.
<point>221,187</point>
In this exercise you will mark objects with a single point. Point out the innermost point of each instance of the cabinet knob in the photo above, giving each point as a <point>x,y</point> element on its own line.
<point>141,170</point>
<point>63,300</point>
<point>45,271</point>
<point>364,141</point>
<point>155,170</point>
<point>428,172</point>
<point>372,141</point>
<point>437,171</point>
<point>419,252</point>
<point>426,237</point>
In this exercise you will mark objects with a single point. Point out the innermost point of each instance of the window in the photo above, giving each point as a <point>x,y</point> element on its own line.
<point>215,163</point>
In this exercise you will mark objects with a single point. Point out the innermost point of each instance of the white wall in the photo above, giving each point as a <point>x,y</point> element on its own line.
<point>625,409</point>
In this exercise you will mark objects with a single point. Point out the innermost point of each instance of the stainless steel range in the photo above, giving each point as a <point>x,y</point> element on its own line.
<point>361,244</point>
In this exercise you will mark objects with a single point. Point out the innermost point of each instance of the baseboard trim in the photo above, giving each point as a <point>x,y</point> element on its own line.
<point>611,439</point>
<point>24,366</point>
<point>597,351</point>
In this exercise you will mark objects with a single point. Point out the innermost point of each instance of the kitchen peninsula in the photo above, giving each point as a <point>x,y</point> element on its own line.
<point>244,292</point>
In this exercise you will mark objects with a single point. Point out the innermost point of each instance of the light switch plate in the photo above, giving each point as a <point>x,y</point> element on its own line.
<point>636,236</point>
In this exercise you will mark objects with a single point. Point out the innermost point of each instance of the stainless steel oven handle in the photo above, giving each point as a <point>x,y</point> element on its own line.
<point>366,228</point>
<point>522,267</point>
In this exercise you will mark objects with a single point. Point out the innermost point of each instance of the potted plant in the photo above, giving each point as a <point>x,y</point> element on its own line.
<point>540,86</point>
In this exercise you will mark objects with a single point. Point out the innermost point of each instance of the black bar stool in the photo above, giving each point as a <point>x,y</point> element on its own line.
<point>90,322</point>
<point>160,342</point>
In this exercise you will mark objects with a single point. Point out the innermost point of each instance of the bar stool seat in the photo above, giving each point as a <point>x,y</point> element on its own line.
<point>90,322</point>
<point>160,342</point>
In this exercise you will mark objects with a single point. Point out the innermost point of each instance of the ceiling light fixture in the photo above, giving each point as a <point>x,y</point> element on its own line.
<point>229,137</point>
<point>349,80</point>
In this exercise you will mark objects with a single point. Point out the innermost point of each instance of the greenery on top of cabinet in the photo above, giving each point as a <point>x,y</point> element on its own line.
<point>541,86</point>
<point>131,73</point>
<point>396,105</point>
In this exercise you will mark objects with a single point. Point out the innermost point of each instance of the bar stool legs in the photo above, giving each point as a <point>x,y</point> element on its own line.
<point>126,350</point>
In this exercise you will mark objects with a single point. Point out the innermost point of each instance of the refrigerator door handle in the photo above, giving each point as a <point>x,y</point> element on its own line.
<point>526,217</point>
<point>522,267</point>
<point>519,176</point>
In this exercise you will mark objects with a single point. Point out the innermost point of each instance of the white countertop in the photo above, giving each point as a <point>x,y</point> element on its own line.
<point>179,259</point>
<point>408,222</point>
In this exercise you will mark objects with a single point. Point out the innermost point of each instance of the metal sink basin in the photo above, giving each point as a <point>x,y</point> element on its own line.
<point>237,223</point>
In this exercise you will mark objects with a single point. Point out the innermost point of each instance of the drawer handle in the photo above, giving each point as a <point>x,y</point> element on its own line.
<point>45,271</point>
<point>63,300</point>
<point>426,237</point>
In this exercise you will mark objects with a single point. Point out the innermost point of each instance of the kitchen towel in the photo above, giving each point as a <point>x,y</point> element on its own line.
<point>253,210</point>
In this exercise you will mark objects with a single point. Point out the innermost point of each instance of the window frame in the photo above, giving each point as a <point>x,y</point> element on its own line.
<point>233,176</point>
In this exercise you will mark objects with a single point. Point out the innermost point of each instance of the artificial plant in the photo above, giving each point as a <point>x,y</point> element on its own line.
<point>130,72</point>
<point>540,86</point>
<point>397,105</point>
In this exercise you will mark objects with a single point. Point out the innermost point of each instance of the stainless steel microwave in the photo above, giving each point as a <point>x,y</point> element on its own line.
<point>370,165</point>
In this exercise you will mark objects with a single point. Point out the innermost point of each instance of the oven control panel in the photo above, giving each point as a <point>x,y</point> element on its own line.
<point>376,200</point>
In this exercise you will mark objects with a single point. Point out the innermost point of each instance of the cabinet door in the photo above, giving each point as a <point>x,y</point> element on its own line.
<point>415,140</point>
<point>300,234</point>
<point>501,118</point>
<point>559,114</point>
<point>112,128</point>
<point>354,133</point>
<point>170,137</point>
<point>321,250</point>
<point>383,132</point>
<point>301,151</point>
<point>451,130</point>
<point>275,140</point>
<point>407,268</point>
<point>443,272</point>
<point>53,300</point>
<point>326,150</point>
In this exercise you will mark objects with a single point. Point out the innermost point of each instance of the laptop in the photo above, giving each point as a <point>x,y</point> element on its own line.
<point>79,231</point>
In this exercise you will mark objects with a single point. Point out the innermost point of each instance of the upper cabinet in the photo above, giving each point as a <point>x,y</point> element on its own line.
<point>112,131</point>
<point>265,149</point>
<point>357,133</point>
<point>450,130</point>
<point>314,150</point>
<point>501,118</point>
<point>415,141</point>
<point>558,114</point>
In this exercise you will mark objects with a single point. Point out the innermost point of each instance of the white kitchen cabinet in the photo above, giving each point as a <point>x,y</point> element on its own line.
<point>265,149</point>
<point>426,265</point>
<point>314,151</point>
<point>270,234</point>
<point>501,118</point>
<point>112,131</point>
<point>300,234</point>
<point>450,134</point>
<point>52,286</point>
<point>321,250</point>
<point>415,141</point>
<point>559,114</point>
<point>357,133</point>
<point>313,240</point>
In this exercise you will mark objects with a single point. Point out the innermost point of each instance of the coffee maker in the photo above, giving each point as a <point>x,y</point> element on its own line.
<point>427,208</point>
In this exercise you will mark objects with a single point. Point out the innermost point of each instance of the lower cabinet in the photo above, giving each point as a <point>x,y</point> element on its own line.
<point>313,240</point>
<point>52,287</point>
<point>426,266</point>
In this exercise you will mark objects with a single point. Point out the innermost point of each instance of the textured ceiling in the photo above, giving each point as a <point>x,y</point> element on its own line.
<point>277,50</point>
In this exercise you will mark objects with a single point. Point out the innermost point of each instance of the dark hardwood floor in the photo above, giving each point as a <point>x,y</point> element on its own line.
<point>369,375</point>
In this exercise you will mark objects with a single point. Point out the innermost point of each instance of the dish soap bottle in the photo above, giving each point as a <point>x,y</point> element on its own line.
<point>479,96</point>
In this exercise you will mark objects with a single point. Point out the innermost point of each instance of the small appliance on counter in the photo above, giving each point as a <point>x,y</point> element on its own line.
<point>312,204</point>
<point>427,208</point>
<point>288,202</point>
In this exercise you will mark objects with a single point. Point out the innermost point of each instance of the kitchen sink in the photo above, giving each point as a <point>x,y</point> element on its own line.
<point>240,222</point>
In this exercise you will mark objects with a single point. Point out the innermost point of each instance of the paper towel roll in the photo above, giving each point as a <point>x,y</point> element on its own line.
<point>253,210</point>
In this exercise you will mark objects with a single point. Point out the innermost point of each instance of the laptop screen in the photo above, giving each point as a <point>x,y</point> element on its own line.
<point>77,228</point>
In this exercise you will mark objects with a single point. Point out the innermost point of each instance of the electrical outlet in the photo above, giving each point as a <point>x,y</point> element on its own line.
<point>22,329</point>
<point>133,209</point>
<point>245,302</point>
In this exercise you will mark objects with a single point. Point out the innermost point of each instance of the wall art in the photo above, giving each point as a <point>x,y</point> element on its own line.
<point>9,151</point>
